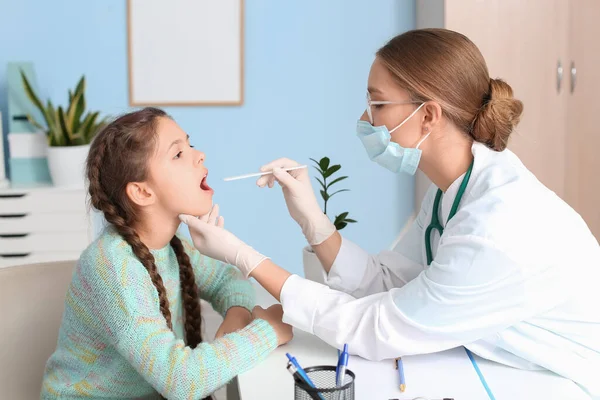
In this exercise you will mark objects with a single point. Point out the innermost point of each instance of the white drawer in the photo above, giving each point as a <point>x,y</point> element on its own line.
<point>44,242</point>
<point>38,258</point>
<point>44,223</point>
<point>42,201</point>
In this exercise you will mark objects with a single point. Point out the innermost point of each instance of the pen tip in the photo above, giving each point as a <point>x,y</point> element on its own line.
<point>345,348</point>
<point>402,387</point>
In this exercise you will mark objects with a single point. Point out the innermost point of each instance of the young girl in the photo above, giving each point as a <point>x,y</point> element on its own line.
<point>132,323</point>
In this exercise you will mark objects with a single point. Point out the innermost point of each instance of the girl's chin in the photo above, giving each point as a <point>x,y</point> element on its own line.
<point>199,211</point>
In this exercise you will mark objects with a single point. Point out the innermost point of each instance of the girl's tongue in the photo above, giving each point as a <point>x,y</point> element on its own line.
<point>204,185</point>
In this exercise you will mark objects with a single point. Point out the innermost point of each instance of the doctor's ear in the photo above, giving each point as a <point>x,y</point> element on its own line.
<point>140,193</point>
<point>432,114</point>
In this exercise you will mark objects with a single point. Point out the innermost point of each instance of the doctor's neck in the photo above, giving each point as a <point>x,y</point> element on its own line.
<point>446,157</point>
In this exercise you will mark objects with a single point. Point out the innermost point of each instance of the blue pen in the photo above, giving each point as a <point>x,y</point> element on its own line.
<point>400,368</point>
<point>340,372</point>
<point>302,373</point>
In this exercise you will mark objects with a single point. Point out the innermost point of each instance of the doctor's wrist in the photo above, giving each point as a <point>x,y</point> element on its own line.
<point>317,228</point>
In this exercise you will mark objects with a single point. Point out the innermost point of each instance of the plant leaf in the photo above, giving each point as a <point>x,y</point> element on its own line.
<point>77,111</point>
<point>336,180</point>
<point>87,127</point>
<point>63,124</point>
<point>31,94</point>
<point>325,195</point>
<point>339,191</point>
<point>324,163</point>
<point>349,220</point>
<point>340,226</point>
<point>317,166</point>
<point>80,88</point>
<point>54,133</point>
<point>322,184</point>
<point>33,122</point>
<point>320,172</point>
<point>332,170</point>
<point>342,216</point>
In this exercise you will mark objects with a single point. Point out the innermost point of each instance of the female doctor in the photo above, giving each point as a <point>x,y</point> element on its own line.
<point>494,261</point>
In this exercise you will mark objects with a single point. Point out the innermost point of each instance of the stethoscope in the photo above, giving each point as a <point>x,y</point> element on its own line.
<point>435,221</point>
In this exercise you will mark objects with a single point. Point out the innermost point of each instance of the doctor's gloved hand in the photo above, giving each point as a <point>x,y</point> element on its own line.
<point>214,241</point>
<point>300,199</point>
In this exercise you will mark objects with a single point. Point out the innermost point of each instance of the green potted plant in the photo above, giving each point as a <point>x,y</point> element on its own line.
<point>312,267</point>
<point>69,131</point>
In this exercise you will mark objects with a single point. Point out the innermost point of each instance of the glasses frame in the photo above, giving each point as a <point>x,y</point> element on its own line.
<point>383,102</point>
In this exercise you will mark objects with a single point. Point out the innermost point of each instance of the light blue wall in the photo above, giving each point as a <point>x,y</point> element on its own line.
<point>306,66</point>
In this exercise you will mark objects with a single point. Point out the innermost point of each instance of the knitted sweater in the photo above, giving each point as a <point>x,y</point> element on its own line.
<point>114,342</point>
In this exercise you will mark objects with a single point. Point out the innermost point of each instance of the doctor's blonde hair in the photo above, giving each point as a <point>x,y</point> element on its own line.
<point>446,67</point>
<point>118,155</point>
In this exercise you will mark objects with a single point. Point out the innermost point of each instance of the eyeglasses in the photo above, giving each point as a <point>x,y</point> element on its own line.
<point>377,103</point>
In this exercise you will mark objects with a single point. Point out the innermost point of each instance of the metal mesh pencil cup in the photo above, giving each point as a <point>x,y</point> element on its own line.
<point>323,377</point>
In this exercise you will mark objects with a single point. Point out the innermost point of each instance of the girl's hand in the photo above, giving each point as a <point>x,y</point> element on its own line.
<point>236,318</point>
<point>274,316</point>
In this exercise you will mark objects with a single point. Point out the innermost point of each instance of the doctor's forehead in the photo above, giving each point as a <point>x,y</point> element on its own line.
<point>380,80</point>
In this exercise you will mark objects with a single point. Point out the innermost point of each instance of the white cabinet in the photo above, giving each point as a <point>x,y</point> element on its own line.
<point>39,224</point>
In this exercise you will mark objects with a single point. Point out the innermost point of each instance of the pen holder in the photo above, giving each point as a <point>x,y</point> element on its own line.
<point>323,377</point>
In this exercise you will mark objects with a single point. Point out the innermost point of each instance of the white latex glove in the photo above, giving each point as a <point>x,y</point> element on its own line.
<point>214,241</point>
<point>300,199</point>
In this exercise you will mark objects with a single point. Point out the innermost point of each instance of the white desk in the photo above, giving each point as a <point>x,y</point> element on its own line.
<point>379,381</point>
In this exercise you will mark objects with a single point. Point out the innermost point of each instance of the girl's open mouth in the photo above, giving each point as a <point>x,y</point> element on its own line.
<point>204,185</point>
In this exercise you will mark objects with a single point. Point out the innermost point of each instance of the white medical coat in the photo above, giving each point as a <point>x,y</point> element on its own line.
<point>515,279</point>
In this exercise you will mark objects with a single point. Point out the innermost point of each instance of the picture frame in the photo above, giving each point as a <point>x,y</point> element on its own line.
<point>185,52</point>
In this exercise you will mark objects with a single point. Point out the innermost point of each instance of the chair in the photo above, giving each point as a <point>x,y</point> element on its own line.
<point>31,307</point>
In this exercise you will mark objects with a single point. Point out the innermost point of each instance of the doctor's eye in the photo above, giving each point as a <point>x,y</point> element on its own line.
<point>377,106</point>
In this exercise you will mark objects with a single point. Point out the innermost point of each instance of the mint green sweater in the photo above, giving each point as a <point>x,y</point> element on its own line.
<point>114,342</point>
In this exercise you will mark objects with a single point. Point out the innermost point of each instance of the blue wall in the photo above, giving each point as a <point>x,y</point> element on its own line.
<point>306,67</point>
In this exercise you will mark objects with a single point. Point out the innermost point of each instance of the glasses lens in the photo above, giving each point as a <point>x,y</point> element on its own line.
<point>369,108</point>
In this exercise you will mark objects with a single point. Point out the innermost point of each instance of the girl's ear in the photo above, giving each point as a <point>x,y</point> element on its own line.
<point>140,193</point>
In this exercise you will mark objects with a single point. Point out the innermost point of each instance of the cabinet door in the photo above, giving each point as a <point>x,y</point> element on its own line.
<point>583,138</point>
<point>523,43</point>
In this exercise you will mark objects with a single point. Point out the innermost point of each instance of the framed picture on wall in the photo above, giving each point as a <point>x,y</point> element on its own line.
<point>185,52</point>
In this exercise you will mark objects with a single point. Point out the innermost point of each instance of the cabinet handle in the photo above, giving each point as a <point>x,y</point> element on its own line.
<point>559,76</point>
<point>15,255</point>
<point>573,76</point>
<point>13,215</point>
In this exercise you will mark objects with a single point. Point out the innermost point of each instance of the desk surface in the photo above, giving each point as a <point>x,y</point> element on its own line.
<point>271,380</point>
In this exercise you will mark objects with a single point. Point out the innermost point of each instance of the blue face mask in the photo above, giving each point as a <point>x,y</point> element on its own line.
<point>390,155</point>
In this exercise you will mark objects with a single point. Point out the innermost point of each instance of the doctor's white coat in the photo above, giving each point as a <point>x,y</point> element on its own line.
<point>515,279</point>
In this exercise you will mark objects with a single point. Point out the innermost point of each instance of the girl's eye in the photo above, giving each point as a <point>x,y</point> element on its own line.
<point>191,146</point>
<point>378,106</point>
<point>178,155</point>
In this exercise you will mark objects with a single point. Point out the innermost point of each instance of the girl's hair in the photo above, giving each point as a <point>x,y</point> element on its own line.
<point>446,67</point>
<point>118,155</point>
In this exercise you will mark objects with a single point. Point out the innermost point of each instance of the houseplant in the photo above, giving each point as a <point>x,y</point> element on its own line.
<point>69,131</point>
<point>312,267</point>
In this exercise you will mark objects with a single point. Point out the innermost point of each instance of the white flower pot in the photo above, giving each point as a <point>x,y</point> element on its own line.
<point>67,165</point>
<point>313,270</point>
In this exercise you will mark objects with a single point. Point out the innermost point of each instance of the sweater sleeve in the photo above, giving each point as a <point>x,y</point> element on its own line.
<point>123,304</point>
<point>222,285</point>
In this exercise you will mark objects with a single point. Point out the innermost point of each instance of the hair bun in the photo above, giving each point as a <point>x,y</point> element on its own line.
<point>499,115</point>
